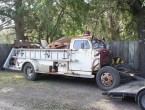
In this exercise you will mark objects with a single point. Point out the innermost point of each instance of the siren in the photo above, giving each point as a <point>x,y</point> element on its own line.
<point>87,33</point>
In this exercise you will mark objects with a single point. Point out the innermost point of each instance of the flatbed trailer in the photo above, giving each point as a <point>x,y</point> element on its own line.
<point>134,89</point>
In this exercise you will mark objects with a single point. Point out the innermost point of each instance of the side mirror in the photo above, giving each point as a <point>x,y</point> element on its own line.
<point>82,45</point>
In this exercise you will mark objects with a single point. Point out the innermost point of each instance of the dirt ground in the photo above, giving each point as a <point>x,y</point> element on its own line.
<point>55,93</point>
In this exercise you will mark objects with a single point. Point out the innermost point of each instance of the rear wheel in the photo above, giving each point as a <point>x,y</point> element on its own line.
<point>141,100</point>
<point>29,72</point>
<point>107,78</point>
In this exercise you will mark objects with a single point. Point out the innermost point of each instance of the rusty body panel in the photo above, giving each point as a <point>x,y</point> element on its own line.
<point>61,43</point>
<point>25,44</point>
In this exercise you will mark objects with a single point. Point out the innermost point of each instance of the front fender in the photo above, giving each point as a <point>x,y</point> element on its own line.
<point>95,64</point>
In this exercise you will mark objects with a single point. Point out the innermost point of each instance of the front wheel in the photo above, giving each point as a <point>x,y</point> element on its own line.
<point>107,78</point>
<point>29,72</point>
<point>141,100</point>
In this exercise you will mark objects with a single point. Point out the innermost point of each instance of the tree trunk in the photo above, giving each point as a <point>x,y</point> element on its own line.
<point>19,29</point>
<point>141,35</point>
<point>140,13</point>
<point>19,20</point>
<point>114,31</point>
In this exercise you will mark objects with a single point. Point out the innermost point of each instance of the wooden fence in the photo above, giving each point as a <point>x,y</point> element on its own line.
<point>4,52</point>
<point>129,50</point>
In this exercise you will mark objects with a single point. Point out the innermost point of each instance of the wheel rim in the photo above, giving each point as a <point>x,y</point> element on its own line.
<point>107,79</point>
<point>143,101</point>
<point>29,71</point>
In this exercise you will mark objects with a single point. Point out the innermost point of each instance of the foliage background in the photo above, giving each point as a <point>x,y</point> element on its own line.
<point>53,19</point>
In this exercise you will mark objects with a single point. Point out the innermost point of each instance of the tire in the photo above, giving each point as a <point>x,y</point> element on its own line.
<point>107,78</point>
<point>141,100</point>
<point>32,76</point>
<point>124,68</point>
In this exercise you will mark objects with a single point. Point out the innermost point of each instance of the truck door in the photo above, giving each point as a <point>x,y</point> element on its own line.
<point>82,56</point>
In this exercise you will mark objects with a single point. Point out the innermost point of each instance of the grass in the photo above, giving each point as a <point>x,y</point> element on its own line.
<point>16,79</point>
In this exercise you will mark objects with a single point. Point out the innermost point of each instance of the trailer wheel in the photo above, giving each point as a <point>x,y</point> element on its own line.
<point>29,72</point>
<point>124,68</point>
<point>107,78</point>
<point>141,100</point>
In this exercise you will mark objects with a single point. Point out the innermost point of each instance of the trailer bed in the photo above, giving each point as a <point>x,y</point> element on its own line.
<point>129,89</point>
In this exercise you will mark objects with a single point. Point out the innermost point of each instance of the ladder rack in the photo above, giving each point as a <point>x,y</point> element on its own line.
<point>44,54</point>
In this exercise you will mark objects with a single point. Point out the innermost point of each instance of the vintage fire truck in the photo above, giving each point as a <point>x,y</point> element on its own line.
<point>84,56</point>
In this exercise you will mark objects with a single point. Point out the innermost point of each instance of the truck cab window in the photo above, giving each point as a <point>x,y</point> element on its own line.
<point>81,44</point>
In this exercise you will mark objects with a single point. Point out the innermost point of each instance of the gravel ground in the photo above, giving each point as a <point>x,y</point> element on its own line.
<point>55,93</point>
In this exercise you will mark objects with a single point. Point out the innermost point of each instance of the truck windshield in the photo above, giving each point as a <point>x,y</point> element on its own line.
<point>98,44</point>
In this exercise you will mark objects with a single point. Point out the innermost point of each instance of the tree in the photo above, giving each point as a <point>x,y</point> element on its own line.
<point>139,12</point>
<point>12,10</point>
<point>19,19</point>
<point>52,19</point>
